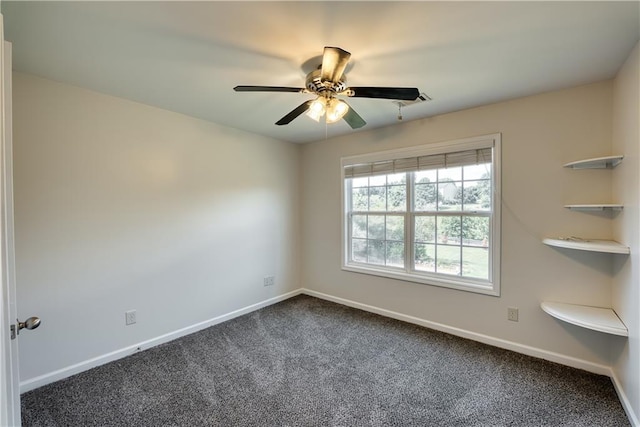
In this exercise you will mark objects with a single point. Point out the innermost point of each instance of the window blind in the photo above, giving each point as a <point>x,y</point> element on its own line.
<point>411,164</point>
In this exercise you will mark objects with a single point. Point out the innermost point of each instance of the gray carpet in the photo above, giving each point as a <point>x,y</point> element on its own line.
<point>308,362</point>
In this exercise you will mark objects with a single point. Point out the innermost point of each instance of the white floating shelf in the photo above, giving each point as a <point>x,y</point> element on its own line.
<point>596,318</point>
<point>606,246</point>
<point>608,162</point>
<point>595,207</point>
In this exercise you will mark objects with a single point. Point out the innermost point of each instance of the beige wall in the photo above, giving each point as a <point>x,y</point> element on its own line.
<point>626,190</point>
<point>122,206</point>
<point>539,134</point>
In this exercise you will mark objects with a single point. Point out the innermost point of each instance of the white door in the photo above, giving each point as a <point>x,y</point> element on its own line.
<point>9,375</point>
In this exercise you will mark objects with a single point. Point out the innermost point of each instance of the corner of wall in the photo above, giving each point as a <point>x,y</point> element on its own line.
<point>626,228</point>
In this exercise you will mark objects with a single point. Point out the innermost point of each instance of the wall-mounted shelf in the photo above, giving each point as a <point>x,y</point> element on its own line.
<point>595,207</point>
<point>605,246</point>
<point>608,162</point>
<point>596,318</point>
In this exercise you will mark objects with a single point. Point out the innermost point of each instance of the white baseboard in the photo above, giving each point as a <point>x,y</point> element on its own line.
<point>486,339</point>
<point>624,400</point>
<point>496,342</point>
<point>60,374</point>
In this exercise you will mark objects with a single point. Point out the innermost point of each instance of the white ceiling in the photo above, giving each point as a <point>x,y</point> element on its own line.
<point>187,56</point>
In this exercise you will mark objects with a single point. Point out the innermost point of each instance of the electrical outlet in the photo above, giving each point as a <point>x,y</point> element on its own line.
<point>130,317</point>
<point>269,281</point>
<point>512,314</point>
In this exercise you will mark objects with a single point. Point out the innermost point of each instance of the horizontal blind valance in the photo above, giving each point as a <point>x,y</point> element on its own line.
<point>433,161</point>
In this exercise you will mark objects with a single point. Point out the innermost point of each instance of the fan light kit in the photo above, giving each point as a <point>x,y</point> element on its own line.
<point>328,82</point>
<point>335,109</point>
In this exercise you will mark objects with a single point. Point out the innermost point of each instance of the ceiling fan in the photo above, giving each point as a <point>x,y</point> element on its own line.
<point>328,82</point>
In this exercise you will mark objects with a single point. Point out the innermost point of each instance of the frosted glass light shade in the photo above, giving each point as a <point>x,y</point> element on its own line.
<point>336,110</point>
<point>316,109</point>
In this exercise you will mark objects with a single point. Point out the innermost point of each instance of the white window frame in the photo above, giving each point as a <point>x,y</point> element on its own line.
<point>487,287</point>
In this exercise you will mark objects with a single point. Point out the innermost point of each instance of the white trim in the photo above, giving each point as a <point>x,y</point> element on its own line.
<point>10,395</point>
<point>491,287</point>
<point>454,282</point>
<point>496,342</point>
<point>60,374</point>
<point>422,150</point>
<point>624,400</point>
<point>562,359</point>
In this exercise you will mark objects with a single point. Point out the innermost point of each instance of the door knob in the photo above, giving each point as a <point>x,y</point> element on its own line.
<point>30,323</point>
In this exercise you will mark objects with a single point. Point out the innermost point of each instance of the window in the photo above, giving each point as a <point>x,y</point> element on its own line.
<point>426,214</point>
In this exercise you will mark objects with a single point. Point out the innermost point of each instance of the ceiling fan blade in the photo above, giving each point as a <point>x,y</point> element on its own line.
<point>294,113</point>
<point>269,89</point>
<point>401,93</point>
<point>334,61</point>
<point>353,119</point>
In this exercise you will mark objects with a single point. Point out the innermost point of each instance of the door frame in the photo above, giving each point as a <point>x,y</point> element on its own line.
<point>9,369</point>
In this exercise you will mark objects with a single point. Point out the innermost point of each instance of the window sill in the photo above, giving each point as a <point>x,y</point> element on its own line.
<point>460,284</point>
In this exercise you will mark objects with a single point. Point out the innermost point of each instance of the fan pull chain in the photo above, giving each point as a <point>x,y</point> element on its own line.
<point>399,111</point>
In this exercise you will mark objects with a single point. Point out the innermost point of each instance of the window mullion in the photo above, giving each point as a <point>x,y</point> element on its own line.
<point>350,241</point>
<point>409,225</point>
<point>349,218</point>
<point>461,240</point>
